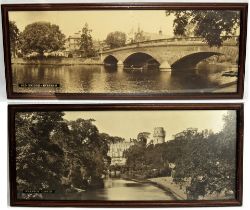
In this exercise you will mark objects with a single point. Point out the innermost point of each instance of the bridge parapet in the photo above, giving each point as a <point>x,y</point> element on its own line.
<point>175,41</point>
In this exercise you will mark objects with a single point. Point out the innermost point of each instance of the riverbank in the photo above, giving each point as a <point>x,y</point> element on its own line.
<point>180,191</point>
<point>167,183</point>
<point>230,65</point>
<point>230,87</point>
<point>160,183</point>
<point>56,61</point>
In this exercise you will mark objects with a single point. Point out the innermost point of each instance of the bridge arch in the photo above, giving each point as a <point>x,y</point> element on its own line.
<point>110,60</point>
<point>191,60</point>
<point>140,60</point>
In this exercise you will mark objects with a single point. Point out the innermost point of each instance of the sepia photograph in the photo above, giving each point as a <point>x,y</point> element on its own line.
<point>119,153</point>
<point>125,51</point>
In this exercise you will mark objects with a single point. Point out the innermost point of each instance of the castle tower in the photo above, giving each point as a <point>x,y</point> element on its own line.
<point>159,135</point>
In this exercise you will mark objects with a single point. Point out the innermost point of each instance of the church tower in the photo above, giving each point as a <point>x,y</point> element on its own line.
<point>159,135</point>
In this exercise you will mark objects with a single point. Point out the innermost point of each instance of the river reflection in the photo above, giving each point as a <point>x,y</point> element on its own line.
<point>119,189</point>
<point>100,79</point>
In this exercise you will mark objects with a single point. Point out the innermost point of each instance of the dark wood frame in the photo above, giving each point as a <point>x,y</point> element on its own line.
<point>242,7</point>
<point>12,109</point>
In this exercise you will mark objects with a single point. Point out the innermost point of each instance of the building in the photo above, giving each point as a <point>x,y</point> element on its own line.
<point>73,44</point>
<point>159,135</point>
<point>154,36</point>
<point>141,36</point>
<point>116,152</point>
<point>186,133</point>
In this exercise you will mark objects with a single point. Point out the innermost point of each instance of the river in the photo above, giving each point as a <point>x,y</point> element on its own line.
<point>100,79</point>
<point>121,189</point>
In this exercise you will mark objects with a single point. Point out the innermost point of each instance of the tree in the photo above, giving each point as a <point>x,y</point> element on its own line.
<point>147,161</point>
<point>197,163</point>
<point>226,150</point>
<point>55,154</point>
<point>116,39</point>
<point>208,160</point>
<point>86,42</point>
<point>214,26</point>
<point>88,153</point>
<point>135,160</point>
<point>40,37</point>
<point>111,139</point>
<point>14,37</point>
<point>39,162</point>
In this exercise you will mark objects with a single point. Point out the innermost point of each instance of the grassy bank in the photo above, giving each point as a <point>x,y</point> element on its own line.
<point>56,61</point>
<point>158,183</point>
<point>230,87</point>
<point>180,191</point>
<point>167,183</point>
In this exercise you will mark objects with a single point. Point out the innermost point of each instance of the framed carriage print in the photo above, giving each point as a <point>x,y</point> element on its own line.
<point>125,50</point>
<point>148,155</point>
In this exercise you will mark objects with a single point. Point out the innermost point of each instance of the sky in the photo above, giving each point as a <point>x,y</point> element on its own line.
<point>101,22</point>
<point>128,124</point>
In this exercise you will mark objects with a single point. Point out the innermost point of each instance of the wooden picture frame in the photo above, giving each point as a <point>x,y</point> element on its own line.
<point>133,84</point>
<point>17,128</point>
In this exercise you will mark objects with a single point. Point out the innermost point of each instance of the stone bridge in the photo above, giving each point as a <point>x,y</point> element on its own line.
<point>167,54</point>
